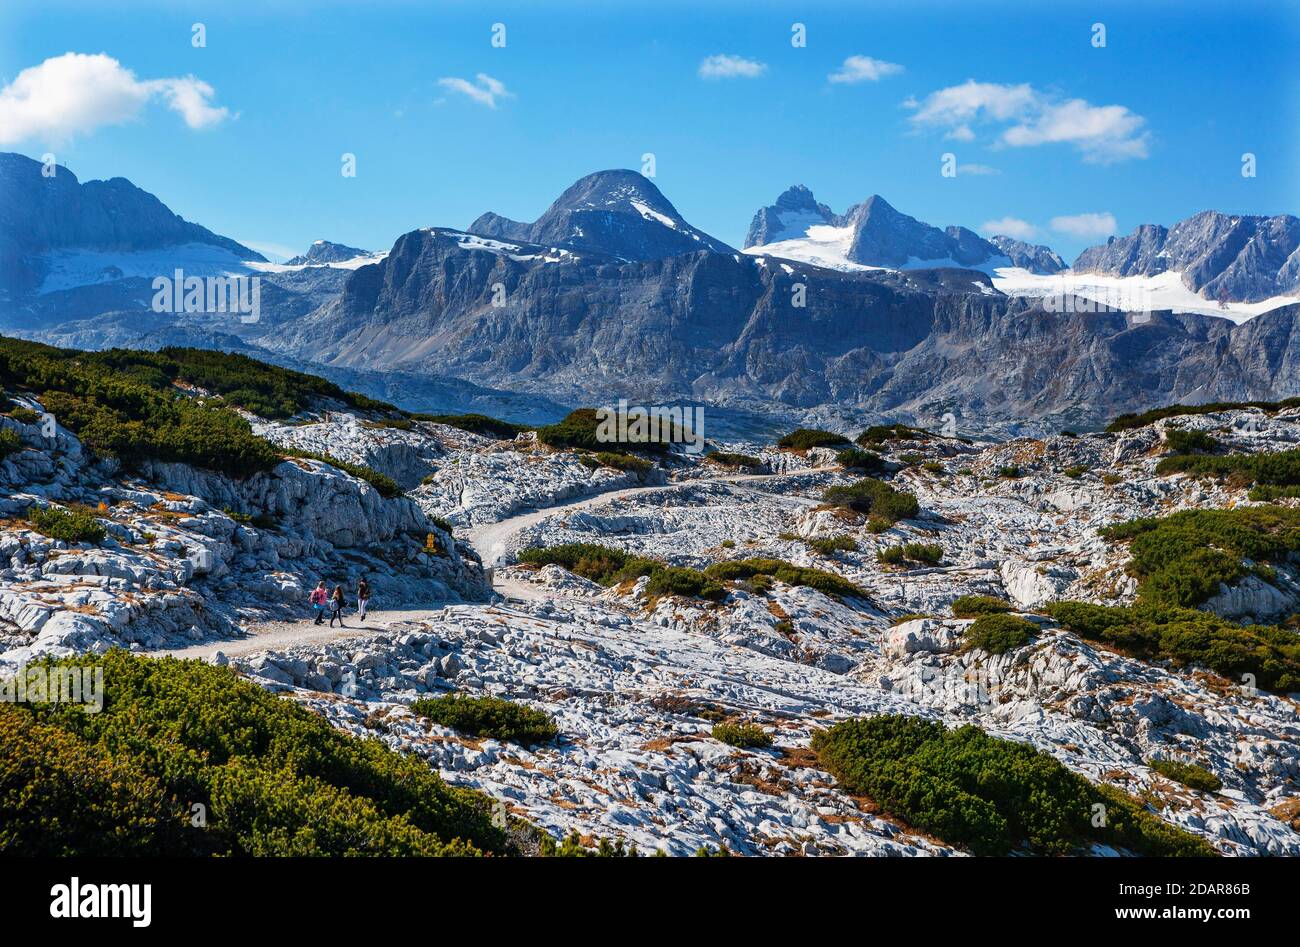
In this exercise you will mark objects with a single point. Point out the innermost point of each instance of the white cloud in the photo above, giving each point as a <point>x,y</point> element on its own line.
<point>723,66</point>
<point>864,69</point>
<point>1010,227</point>
<point>1086,226</point>
<point>484,89</point>
<point>976,169</point>
<point>1102,133</point>
<point>77,93</point>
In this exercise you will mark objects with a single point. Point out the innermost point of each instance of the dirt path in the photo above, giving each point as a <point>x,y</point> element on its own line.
<point>491,541</point>
<point>275,635</point>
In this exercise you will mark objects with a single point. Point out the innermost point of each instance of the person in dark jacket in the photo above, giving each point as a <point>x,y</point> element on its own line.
<point>363,598</point>
<point>336,607</point>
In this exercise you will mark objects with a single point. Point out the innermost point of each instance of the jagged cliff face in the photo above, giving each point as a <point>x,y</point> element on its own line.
<point>1238,257</point>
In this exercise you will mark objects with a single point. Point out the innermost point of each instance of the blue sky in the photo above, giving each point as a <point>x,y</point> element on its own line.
<point>1045,127</point>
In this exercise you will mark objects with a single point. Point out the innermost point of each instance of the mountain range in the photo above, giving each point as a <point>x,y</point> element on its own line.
<point>837,318</point>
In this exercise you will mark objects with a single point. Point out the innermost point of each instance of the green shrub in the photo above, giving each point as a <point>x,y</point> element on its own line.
<point>264,389</point>
<point>928,553</point>
<point>1181,559</point>
<point>998,634</point>
<point>829,545</point>
<point>25,415</point>
<point>1010,472</point>
<point>877,524</point>
<point>874,497</point>
<point>624,462</point>
<point>1274,468</point>
<point>61,795</point>
<point>274,778</point>
<point>973,606</point>
<point>727,459</point>
<point>123,404</point>
<point>985,794</point>
<point>488,717</point>
<point>690,583</point>
<point>1127,422</point>
<point>744,735</point>
<point>1267,494</point>
<point>571,847</point>
<point>589,560</point>
<point>863,460</point>
<point>579,429</point>
<point>1076,471</point>
<point>1178,441</point>
<point>828,583</point>
<point>480,424</point>
<point>890,555</point>
<point>1188,637</point>
<point>10,442</point>
<point>882,433</point>
<point>934,467</point>
<point>394,424</point>
<point>71,526</point>
<point>1189,774</point>
<point>806,437</point>
<point>385,484</point>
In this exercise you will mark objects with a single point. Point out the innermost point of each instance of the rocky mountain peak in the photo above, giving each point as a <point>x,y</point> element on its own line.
<point>325,251</point>
<point>616,212</point>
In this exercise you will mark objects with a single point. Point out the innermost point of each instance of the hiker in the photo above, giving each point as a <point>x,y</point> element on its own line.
<point>363,598</point>
<point>336,607</point>
<point>318,597</point>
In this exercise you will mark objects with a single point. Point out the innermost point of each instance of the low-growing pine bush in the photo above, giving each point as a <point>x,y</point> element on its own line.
<point>861,460</point>
<point>10,442</point>
<point>973,606</point>
<point>743,735</point>
<point>829,545</point>
<point>488,717</point>
<point>874,497</point>
<point>998,634</point>
<point>804,438</point>
<point>1189,774</point>
<point>275,778</point>
<point>988,795</point>
<point>71,526</point>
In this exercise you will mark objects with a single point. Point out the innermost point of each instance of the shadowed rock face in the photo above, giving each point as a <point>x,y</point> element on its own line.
<point>1238,258</point>
<point>620,213</point>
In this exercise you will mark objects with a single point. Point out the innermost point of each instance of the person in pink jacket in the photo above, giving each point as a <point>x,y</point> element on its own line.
<point>319,596</point>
